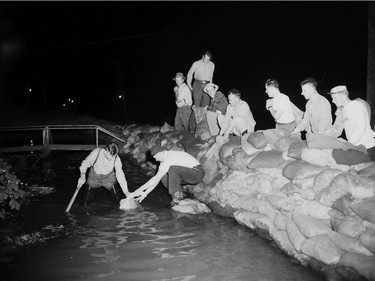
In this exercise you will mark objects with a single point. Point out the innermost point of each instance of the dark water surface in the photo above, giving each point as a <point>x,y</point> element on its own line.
<point>151,243</point>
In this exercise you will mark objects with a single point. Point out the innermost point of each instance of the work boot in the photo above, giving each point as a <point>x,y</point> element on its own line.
<point>86,194</point>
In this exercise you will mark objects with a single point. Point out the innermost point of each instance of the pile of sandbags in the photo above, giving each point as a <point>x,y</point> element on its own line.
<point>316,211</point>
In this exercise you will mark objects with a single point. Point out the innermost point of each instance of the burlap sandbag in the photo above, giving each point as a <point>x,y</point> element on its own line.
<point>295,149</point>
<point>239,160</point>
<point>362,264</point>
<point>265,208</point>
<point>316,210</point>
<point>272,135</point>
<point>305,183</point>
<point>350,157</point>
<point>295,236</point>
<point>300,169</point>
<point>245,218</point>
<point>365,209</point>
<point>257,140</point>
<point>280,221</point>
<point>246,203</point>
<point>367,239</point>
<point>259,183</point>
<point>368,171</point>
<point>342,204</point>
<point>324,178</point>
<point>349,225</point>
<point>310,226</point>
<point>267,159</point>
<point>321,248</point>
<point>349,244</point>
<point>319,141</point>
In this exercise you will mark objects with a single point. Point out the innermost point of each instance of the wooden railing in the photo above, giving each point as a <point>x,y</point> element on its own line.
<point>46,140</point>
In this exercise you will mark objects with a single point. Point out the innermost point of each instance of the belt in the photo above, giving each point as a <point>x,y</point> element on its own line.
<point>203,81</point>
<point>285,123</point>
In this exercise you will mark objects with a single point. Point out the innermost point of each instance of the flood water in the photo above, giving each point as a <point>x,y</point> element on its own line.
<point>151,243</point>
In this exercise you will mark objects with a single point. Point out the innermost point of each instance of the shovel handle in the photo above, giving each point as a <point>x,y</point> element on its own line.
<point>72,199</point>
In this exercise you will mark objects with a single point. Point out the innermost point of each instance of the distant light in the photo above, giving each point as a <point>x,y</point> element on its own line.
<point>68,99</point>
<point>63,104</point>
<point>120,96</point>
<point>30,90</point>
<point>72,101</point>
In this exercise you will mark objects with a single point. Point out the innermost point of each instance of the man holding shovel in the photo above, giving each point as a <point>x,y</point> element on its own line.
<point>105,168</point>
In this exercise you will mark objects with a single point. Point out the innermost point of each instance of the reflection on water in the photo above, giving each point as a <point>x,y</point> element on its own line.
<point>150,243</point>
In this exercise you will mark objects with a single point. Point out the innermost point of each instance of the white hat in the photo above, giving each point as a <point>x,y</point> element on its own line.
<point>339,90</point>
<point>210,85</point>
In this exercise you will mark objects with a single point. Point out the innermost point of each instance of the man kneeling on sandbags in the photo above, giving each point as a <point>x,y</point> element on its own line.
<point>105,167</point>
<point>176,168</point>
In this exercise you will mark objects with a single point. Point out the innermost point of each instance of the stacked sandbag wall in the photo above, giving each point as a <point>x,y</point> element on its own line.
<point>323,216</point>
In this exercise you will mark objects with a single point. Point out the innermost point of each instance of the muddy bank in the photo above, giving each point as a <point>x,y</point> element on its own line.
<point>322,216</point>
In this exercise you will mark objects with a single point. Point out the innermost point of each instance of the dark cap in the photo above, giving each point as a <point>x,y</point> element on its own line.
<point>156,149</point>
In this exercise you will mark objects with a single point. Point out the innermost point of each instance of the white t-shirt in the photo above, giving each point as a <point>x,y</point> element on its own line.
<point>281,104</point>
<point>183,96</point>
<point>177,158</point>
<point>357,124</point>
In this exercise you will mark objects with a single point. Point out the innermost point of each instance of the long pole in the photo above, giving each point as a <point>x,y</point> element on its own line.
<point>72,199</point>
<point>370,96</point>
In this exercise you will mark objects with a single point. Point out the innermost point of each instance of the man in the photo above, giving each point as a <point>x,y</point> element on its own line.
<point>238,118</point>
<point>183,102</point>
<point>352,117</point>
<point>105,167</point>
<point>176,168</point>
<point>279,106</point>
<point>317,118</point>
<point>218,106</point>
<point>203,71</point>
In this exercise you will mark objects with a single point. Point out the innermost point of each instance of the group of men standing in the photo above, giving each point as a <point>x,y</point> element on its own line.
<point>233,116</point>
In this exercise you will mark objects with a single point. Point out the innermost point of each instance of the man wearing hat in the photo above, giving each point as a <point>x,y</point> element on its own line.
<point>218,106</point>
<point>176,168</point>
<point>203,71</point>
<point>183,102</point>
<point>352,116</point>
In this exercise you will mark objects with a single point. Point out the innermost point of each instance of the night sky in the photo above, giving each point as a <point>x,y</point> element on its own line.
<point>93,51</point>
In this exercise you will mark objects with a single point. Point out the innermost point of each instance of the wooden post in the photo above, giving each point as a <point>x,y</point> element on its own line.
<point>371,61</point>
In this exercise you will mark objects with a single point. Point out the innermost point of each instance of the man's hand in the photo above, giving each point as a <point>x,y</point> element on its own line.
<point>81,180</point>
<point>269,103</point>
<point>218,112</point>
<point>139,198</point>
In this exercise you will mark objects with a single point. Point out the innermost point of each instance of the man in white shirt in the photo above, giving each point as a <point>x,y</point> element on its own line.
<point>203,71</point>
<point>353,117</point>
<point>105,168</point>
<point>176,168</point>
<point>238,119</point>
<point>279,106</point>
<point>317,118</point>
<point>183,102</point>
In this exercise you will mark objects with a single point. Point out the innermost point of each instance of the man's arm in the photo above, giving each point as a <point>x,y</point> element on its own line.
<point>212,72</point>
<point>324,117</point>
<point>189,76</point>
<point>359,115</point>
<point>120,176</point>
<point>149,186</point>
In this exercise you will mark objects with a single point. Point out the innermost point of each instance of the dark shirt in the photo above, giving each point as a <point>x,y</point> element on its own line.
<point>219,102</point>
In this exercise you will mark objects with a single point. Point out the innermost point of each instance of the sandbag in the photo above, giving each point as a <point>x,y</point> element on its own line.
<point>324,178</point>
<point>300,169</point>
<point>246,203</point>
<point>239,160</point>
<point>310,226</point>
<point>190,206</point>
<point>280,221</point>
<point>227,149</point>
<point>321,248</point>
<point>295,148</point>
<point>304,183</point>
<point>316,210</point>
<point>245,218</point>
<point>259,183</point>
<point>365,209</point>
<point>210,162</point>
<point>367,239</point>
<point>368,171</point>
<point>287,205</point>
<point>349,244</point>
<point>267,159</point>
<point>320,141</point>
<point>166,128</point>
<point>350,157</point>
<point>350,226</point>
<point>362,264</point>
<point>359,187</point>
<point>272,135</point>
<point>282,144</point>
<point>320,157</point>
<point>308,194</point>
<point>282,240</point>
<point>265,208</point>
<point>342,204</point>
<point>257,140</point>
<point>128,204</point>
<point>295,236</point>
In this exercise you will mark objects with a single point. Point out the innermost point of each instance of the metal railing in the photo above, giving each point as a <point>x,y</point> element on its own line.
<point>47,141</point>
